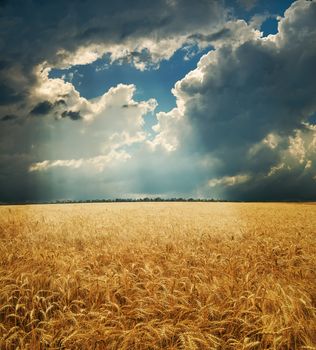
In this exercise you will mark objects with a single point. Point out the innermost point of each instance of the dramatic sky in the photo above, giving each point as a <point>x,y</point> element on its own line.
<point>170,98</point>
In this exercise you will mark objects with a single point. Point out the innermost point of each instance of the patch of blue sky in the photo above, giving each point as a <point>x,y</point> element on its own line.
<point>95,79</point>
<point>269,26</point>
<point>269,8</point>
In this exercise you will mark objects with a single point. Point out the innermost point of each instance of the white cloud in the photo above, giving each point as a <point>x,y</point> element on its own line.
<point>82,56</point>
<point>167,129</point>
<point>109,124</point>
<point>275,169</point>
<point>296,147</point>
<point>271,140</point>
<point>229,180</point>
<point>308,164</point>
<point>98,163</point>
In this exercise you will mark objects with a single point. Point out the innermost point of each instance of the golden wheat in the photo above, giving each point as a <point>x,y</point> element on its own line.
<point>158,276</point>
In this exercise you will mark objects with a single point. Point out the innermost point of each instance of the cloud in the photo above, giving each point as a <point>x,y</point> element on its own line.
<point>72,115</point>
<point>98,162</point>
<point>229,180</point>
<point>97,141</point>
<point>81,32</point>
<point>8,117</point>
<point>241,128</point>
<point>248,105</point>
<point>166,129</point>
<point>38,36</point>
<point>223,33</point>
<point>42,108</point>
<point>9,95</point>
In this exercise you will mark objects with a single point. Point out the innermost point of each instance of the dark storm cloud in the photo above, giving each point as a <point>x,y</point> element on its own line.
<point>72,115</point>
<point>251,90</point>
<point>16,184</point>
<point>131,105</point>
<point>221,34</point>
<point>45,107</point>
<point>8,117</point>
<point>256,88</point>
<point>9,95</point>
<point>3,65</point>
<point>38,31</point>
<point>42,108</point>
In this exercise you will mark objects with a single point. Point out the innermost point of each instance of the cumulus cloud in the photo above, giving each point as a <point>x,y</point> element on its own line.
<point>76,134</point>
<point>248,103</point>
<point>37,33</point>
<point>166,129</point>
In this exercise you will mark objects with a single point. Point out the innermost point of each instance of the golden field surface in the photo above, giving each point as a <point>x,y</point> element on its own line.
<point>158,276</point>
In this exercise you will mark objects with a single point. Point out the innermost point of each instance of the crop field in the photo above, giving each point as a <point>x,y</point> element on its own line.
<point>158,276</point>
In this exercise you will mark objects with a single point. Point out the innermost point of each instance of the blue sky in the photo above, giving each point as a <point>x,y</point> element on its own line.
<point>95,79</point>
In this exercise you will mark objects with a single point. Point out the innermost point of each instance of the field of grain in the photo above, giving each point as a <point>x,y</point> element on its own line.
<point>158,276</point>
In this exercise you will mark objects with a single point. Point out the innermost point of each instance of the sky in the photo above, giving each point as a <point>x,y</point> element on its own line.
<point>169,98</point>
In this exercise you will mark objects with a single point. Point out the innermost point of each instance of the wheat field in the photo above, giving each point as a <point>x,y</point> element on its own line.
<point>158,276</point>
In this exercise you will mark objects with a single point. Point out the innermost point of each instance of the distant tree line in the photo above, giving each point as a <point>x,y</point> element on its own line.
<point>146,199</point>
<point>134,200</point>
<point>118,200</point>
